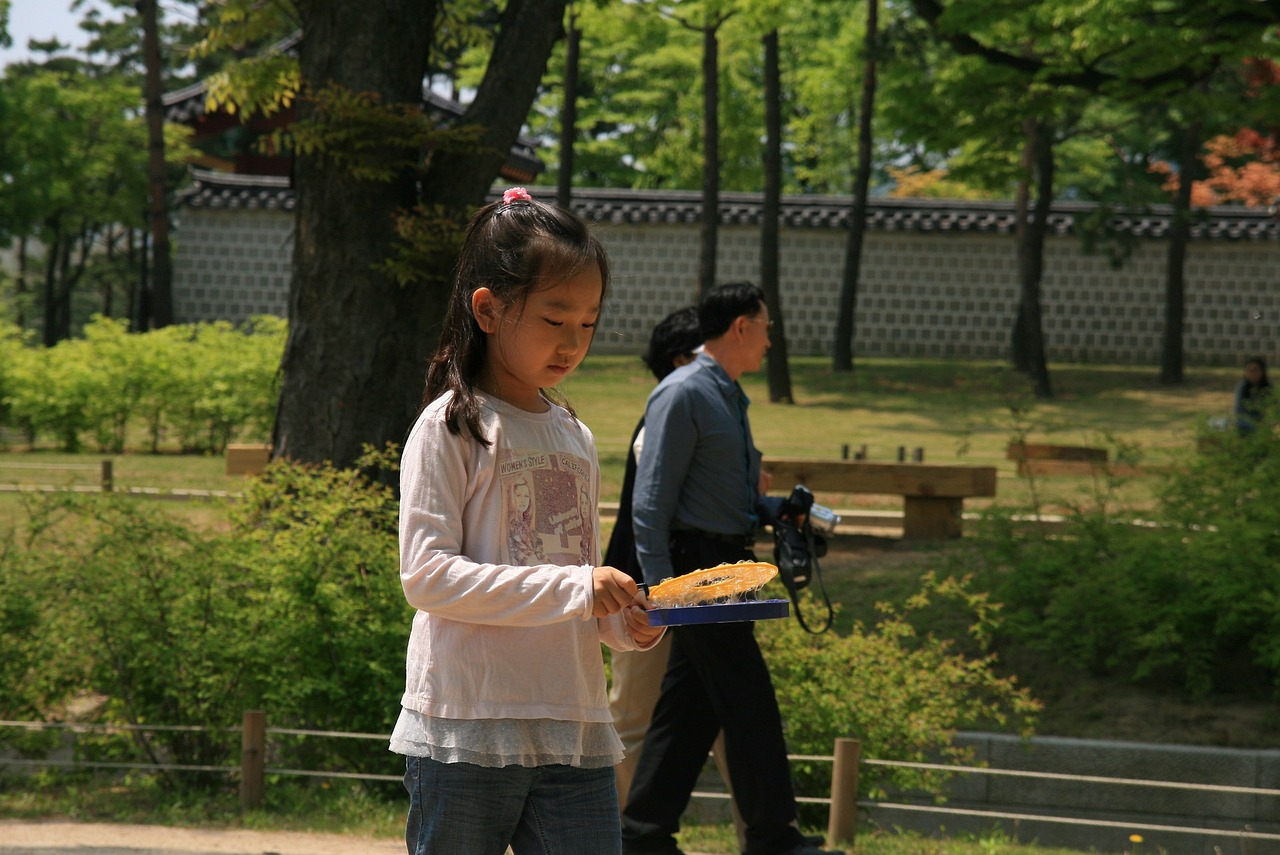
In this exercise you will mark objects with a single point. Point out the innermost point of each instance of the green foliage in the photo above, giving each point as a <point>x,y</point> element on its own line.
<point>901,692</point>
<point>46,395</point>
<point>295,610</point>
<point>1188,597</point>
<point>323,543</point>
<point>373,140</point>
<point>73,168</point>
<point>207,383</point>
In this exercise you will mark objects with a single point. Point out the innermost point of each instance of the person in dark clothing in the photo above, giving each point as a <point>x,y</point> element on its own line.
<point>637,677</point>
<point>697,485</point>
<point>1251,395</point>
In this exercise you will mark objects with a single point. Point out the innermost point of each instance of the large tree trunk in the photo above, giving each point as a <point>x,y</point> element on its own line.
<point>158,204</point>
<point>779,373</point>
<point>346,378</point>
<point>358,341</point>
<point>1171,357</point>
<point>709,244</point>
<point>846,317</point>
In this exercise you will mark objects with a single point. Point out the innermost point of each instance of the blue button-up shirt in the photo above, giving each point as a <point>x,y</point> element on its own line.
<point>699,468</point>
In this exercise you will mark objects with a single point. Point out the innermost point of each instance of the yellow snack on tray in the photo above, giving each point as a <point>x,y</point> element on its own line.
<point>712,585</point>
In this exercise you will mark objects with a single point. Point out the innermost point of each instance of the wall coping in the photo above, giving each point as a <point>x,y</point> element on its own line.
<point>211,189</point>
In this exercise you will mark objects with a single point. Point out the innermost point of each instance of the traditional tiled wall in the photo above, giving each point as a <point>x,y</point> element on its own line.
<point>922,293</point>
<point>232,264</point>
<point>954,294</point>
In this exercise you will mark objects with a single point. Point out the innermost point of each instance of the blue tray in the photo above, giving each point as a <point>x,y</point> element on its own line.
<point>720,612</point>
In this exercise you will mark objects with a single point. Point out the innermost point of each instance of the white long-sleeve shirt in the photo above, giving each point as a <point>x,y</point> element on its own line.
<point>497,547</point>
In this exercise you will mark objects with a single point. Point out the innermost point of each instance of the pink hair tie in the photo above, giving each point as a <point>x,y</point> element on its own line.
<point>516,194</point>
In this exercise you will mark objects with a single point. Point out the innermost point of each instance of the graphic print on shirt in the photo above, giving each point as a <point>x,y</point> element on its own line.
<point>548,513</point>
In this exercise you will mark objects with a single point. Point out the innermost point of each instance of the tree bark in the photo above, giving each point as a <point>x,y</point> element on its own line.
<point>710,231</point>
<point>20,286</point>
<point>359,342</point>
<point>1171,355</point>
<point>158,202</point>
<point>1019,353</point>
<point>846,317</point>
<point>50,297</point>
<point>1031,258</point>
<point>569,112</point>
<point>778,370</point>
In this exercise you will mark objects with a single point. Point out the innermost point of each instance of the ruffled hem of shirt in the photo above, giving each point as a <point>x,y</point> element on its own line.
<point>507,742</point>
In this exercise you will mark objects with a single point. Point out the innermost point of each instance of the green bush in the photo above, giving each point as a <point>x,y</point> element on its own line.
<point>207,384</point>
<point>296,610</point>
<point>222,382</point>
<point>12,344</point>
<point>903,694</point>
<point>49,392</point>
<point>1188,597</point>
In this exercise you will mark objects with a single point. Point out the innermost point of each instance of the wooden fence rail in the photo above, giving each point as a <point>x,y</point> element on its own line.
<point>104,469</point>
<point>843,803</point>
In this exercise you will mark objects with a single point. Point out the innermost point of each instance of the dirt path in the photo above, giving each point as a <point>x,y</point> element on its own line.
<point>39,837</point>
<point>35,837</point>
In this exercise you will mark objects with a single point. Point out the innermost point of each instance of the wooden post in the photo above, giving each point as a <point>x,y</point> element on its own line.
<point>108,481</point>
<point>844,792</point>
<point>253,750</point>
<point>902,454</point>
<point>918,455</point>
<point>844,451</point>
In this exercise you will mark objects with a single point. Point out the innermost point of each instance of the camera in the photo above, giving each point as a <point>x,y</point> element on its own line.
<point>796,543</point>
<point>800,503</point>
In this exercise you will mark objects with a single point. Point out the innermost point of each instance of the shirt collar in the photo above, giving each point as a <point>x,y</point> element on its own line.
<point>728,388</point>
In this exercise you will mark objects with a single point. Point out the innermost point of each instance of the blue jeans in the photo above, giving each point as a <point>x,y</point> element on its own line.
<point>464,809</point>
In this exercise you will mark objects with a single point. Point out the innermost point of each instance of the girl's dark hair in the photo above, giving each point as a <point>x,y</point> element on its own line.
<point>1261,362</point>
<point>511,248</point>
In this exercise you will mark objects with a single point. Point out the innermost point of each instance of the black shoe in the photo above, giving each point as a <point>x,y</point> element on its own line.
<point>649,849</point>
<point>807,849</point>
<point>817,841</point>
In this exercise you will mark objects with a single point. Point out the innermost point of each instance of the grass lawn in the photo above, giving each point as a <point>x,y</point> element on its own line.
<point>959,412</point>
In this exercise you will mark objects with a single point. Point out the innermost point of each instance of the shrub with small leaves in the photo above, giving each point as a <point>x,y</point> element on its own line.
<point>902,694</point>
<point>1190,597</point>
<point>297,610</point>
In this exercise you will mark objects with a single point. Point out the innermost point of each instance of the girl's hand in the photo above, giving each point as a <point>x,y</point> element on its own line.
<point>613,591</point>
<point>637,620</point>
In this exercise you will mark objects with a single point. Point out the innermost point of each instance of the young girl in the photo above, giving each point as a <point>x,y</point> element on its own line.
<point>504,719</point>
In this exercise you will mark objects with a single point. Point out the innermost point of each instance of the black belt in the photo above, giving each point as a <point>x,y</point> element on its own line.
<point>743,541</point>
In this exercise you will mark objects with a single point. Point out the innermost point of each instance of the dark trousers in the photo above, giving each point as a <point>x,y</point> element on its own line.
<point>716,678</point>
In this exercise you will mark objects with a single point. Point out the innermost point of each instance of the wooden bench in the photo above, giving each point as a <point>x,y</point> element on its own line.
<point>1044,459</point>
<point>933,496</point>
<point>247,458</point>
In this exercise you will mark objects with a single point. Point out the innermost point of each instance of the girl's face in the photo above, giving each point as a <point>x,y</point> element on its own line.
<point>1253,373</point>
<point>536,345</point>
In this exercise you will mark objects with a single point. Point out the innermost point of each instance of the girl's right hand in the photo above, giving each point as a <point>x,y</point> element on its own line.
<point>613,591</point>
